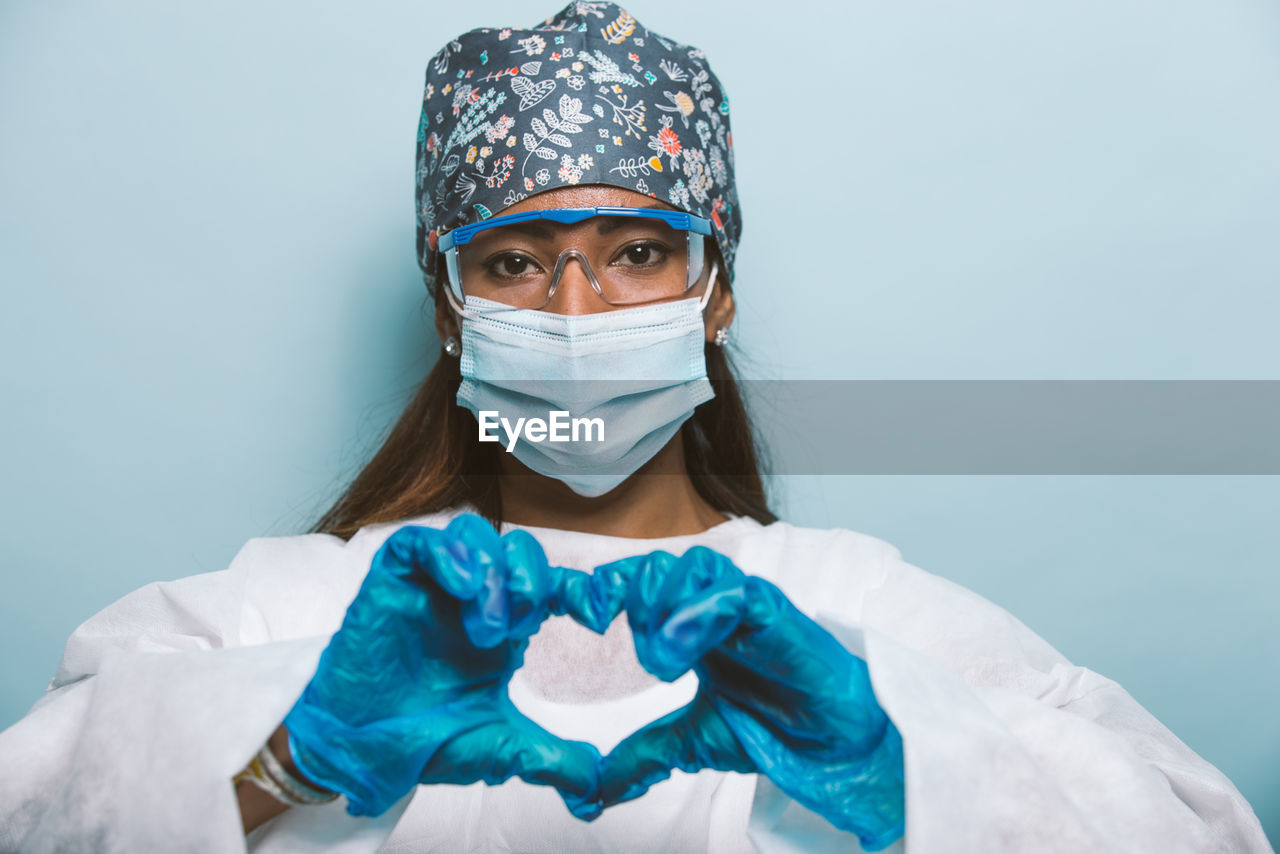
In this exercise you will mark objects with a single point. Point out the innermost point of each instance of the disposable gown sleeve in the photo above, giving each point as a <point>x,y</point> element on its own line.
<point>164,695</point>
<point>1008,746</point>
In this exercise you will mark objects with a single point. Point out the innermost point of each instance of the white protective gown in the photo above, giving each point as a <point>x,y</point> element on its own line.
<point>164,695</point>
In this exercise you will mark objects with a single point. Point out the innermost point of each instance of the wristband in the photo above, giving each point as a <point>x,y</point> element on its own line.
<point>268,774</point>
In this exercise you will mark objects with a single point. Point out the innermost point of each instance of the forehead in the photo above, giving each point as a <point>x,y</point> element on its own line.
<point>585,196</point>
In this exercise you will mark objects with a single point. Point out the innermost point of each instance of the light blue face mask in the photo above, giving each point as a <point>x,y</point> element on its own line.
<point>623,380</point>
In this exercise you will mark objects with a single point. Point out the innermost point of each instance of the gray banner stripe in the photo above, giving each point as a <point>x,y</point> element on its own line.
<point>1086,427</point>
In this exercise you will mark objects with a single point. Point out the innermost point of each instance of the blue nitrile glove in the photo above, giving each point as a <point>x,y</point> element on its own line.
<point>777,695</point>
<point>413,688</point>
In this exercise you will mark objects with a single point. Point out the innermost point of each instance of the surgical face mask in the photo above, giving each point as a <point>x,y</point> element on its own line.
<point>586,399</point>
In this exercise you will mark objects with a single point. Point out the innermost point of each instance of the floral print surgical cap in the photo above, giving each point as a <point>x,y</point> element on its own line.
<point>590,96</point>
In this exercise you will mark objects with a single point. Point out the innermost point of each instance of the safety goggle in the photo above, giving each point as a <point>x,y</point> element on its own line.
<point>634,256</point>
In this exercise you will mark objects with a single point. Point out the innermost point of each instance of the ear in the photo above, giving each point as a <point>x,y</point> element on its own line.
<point>446,320</point>
<point>719,311</point>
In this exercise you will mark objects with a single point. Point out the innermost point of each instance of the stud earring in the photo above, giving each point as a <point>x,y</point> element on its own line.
<point>452,347</point>
<point>722,336</point>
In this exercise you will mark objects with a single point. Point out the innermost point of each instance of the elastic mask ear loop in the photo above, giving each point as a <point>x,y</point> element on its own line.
<point>462,311</point>
<point>453,302</point>
<point>711,286</point>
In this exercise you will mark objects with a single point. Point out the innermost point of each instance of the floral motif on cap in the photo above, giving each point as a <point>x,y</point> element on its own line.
<point>590,96</point>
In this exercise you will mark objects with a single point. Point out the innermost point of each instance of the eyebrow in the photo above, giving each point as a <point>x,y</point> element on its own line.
<point>615,222</point>
<point>540,231</point>
<point>533,228</point>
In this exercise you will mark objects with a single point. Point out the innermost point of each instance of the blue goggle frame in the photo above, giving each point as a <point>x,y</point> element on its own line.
<point>676,219</point>
<point>448,242</point>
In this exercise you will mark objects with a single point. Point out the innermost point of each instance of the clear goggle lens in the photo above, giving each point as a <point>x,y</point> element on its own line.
<point>628,260</point>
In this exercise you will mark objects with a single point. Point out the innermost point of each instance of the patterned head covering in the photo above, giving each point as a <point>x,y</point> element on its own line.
<point>588,97</point>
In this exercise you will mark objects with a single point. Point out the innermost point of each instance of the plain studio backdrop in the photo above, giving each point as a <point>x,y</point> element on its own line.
<point>212,308</point>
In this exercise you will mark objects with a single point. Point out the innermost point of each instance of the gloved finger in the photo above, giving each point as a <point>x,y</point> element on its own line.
<point>645,606</point>
<point>462,558</point>
<point>798,680</point>
<point>518,747</point>
<point>688,739</point>
<point>765,664</point>
<point>859,790</point>
<point>778,666</point>
<point>647,756</point>
<point>592,600</point>
<point>486,616</point>
<point>644,594</point>
<point>396,585</point>
<point>513,600</point>
<point>679,609</point>
<point>528,583</point>
<point>573,767</point>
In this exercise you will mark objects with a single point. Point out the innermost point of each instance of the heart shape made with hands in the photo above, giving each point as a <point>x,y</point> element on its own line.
<point>413,687</point>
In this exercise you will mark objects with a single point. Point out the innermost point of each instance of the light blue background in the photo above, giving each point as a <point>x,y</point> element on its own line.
<point>211,306</point>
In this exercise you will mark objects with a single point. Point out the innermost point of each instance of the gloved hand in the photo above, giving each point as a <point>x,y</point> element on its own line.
<point>777,695</point>
<point>413,687</point>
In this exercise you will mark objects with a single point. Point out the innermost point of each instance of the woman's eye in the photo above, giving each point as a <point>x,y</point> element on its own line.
<point>644,254</point>
<point>511,265</point>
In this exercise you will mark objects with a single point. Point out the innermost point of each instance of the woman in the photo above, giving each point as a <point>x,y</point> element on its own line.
<point>379,652</point>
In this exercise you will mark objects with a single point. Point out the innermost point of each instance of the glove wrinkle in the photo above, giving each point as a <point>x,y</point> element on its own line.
<point>413,687</point>
<point>777,695</point>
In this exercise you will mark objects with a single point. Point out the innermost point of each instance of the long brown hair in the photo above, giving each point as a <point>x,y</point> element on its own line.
<point>431,460</point>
